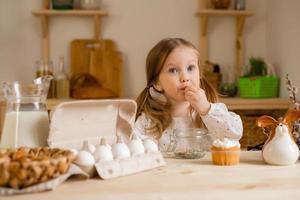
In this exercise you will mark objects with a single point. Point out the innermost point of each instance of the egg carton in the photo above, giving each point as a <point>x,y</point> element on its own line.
<point>132,165</point>
<point>87,121</point>
<point>120,159</point>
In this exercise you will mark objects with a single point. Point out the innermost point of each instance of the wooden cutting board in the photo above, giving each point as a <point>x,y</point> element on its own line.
<point>99,58</point>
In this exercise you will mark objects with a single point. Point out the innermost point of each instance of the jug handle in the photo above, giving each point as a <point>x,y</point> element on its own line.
<point>6,88</point>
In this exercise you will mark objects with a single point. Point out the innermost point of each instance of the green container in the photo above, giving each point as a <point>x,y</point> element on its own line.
<point>259,87</point>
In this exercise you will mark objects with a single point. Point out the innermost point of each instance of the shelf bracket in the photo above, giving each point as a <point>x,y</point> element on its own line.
<point>45,37</point>
<point>203,24</point>
<point>203,38</point>
<point>45,15</point>
<point>240,22</point>
<point>239,46</point>
<point>97,27</point>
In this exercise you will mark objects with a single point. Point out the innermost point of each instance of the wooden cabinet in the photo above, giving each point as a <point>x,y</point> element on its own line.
<point>45,15</point>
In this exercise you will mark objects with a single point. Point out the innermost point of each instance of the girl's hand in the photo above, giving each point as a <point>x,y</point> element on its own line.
<point>197,99</point>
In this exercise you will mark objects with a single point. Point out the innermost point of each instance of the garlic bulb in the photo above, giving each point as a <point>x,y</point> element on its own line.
<point>120,149</point>
<point>103,152</point>
<point>150,146</point>
<point>136,146</point>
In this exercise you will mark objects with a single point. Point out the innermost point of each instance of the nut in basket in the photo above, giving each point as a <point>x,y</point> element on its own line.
<point>23,167</point>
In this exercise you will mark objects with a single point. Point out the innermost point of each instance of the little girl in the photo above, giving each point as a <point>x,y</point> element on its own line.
<point>177,95</point>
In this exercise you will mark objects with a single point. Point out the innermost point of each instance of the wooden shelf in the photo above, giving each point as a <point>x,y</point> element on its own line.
<point>256,104</point>
<point>240,16</point>
<point>70,12</point>
<point>214,12</point>
<point>45,14</point>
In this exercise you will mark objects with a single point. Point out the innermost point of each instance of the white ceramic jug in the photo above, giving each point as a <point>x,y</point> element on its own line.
<point>280,148</point>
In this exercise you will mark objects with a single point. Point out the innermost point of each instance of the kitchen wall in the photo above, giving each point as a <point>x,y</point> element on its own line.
<point>136,25</point>
<point>283,41</point>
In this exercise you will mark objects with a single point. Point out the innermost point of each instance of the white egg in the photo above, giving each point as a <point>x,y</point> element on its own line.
<point>103,153</point>
<point>108,146</point>
<point>86,161</point>
<point>103,142</point>
<point>84,158</point>
<point>92,148</point>
<point>150,146</point>
<point>120,150</point>
<point>136,147</point>
<point>88,147</point>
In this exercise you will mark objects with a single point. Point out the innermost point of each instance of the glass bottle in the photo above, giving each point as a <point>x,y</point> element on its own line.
<point>62,84</point>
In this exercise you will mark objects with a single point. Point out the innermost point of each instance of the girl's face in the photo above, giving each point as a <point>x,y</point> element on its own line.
<point>179,71</point>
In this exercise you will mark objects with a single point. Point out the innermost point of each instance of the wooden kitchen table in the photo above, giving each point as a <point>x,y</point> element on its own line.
<point>188,179</point>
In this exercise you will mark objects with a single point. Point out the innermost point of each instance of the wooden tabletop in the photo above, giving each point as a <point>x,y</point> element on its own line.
<point>188,179</point>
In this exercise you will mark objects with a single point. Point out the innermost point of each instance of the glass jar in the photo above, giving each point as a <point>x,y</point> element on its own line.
<point>240,4</point>
<point>44,68</point>
<point>191,143</point>
<point>26,121</point>
<point>90,4</point>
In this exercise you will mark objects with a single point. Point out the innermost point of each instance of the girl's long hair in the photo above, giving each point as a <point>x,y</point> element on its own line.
<point>158,111</point>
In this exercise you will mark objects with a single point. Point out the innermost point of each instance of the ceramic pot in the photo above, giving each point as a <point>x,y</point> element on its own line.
<point>221,4</point>
<point>280,147</point>
<point>281,150</point>
<point>62,4</point>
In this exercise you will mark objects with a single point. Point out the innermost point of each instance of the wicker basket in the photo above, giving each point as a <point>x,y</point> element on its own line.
<point>23,167</point>
<point>253,135</point>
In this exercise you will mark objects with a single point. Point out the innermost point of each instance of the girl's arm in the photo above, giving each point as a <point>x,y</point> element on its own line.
<point>223,123</point>
<point>218,120</point>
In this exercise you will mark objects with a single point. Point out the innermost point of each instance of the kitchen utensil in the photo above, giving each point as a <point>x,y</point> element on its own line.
<point>101,60</point>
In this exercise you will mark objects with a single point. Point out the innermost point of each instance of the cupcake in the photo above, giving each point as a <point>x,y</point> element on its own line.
<point>225,152</point>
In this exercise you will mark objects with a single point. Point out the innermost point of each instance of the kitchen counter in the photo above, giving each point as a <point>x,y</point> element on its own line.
<point>231,103</point>
<point>188,179</point>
